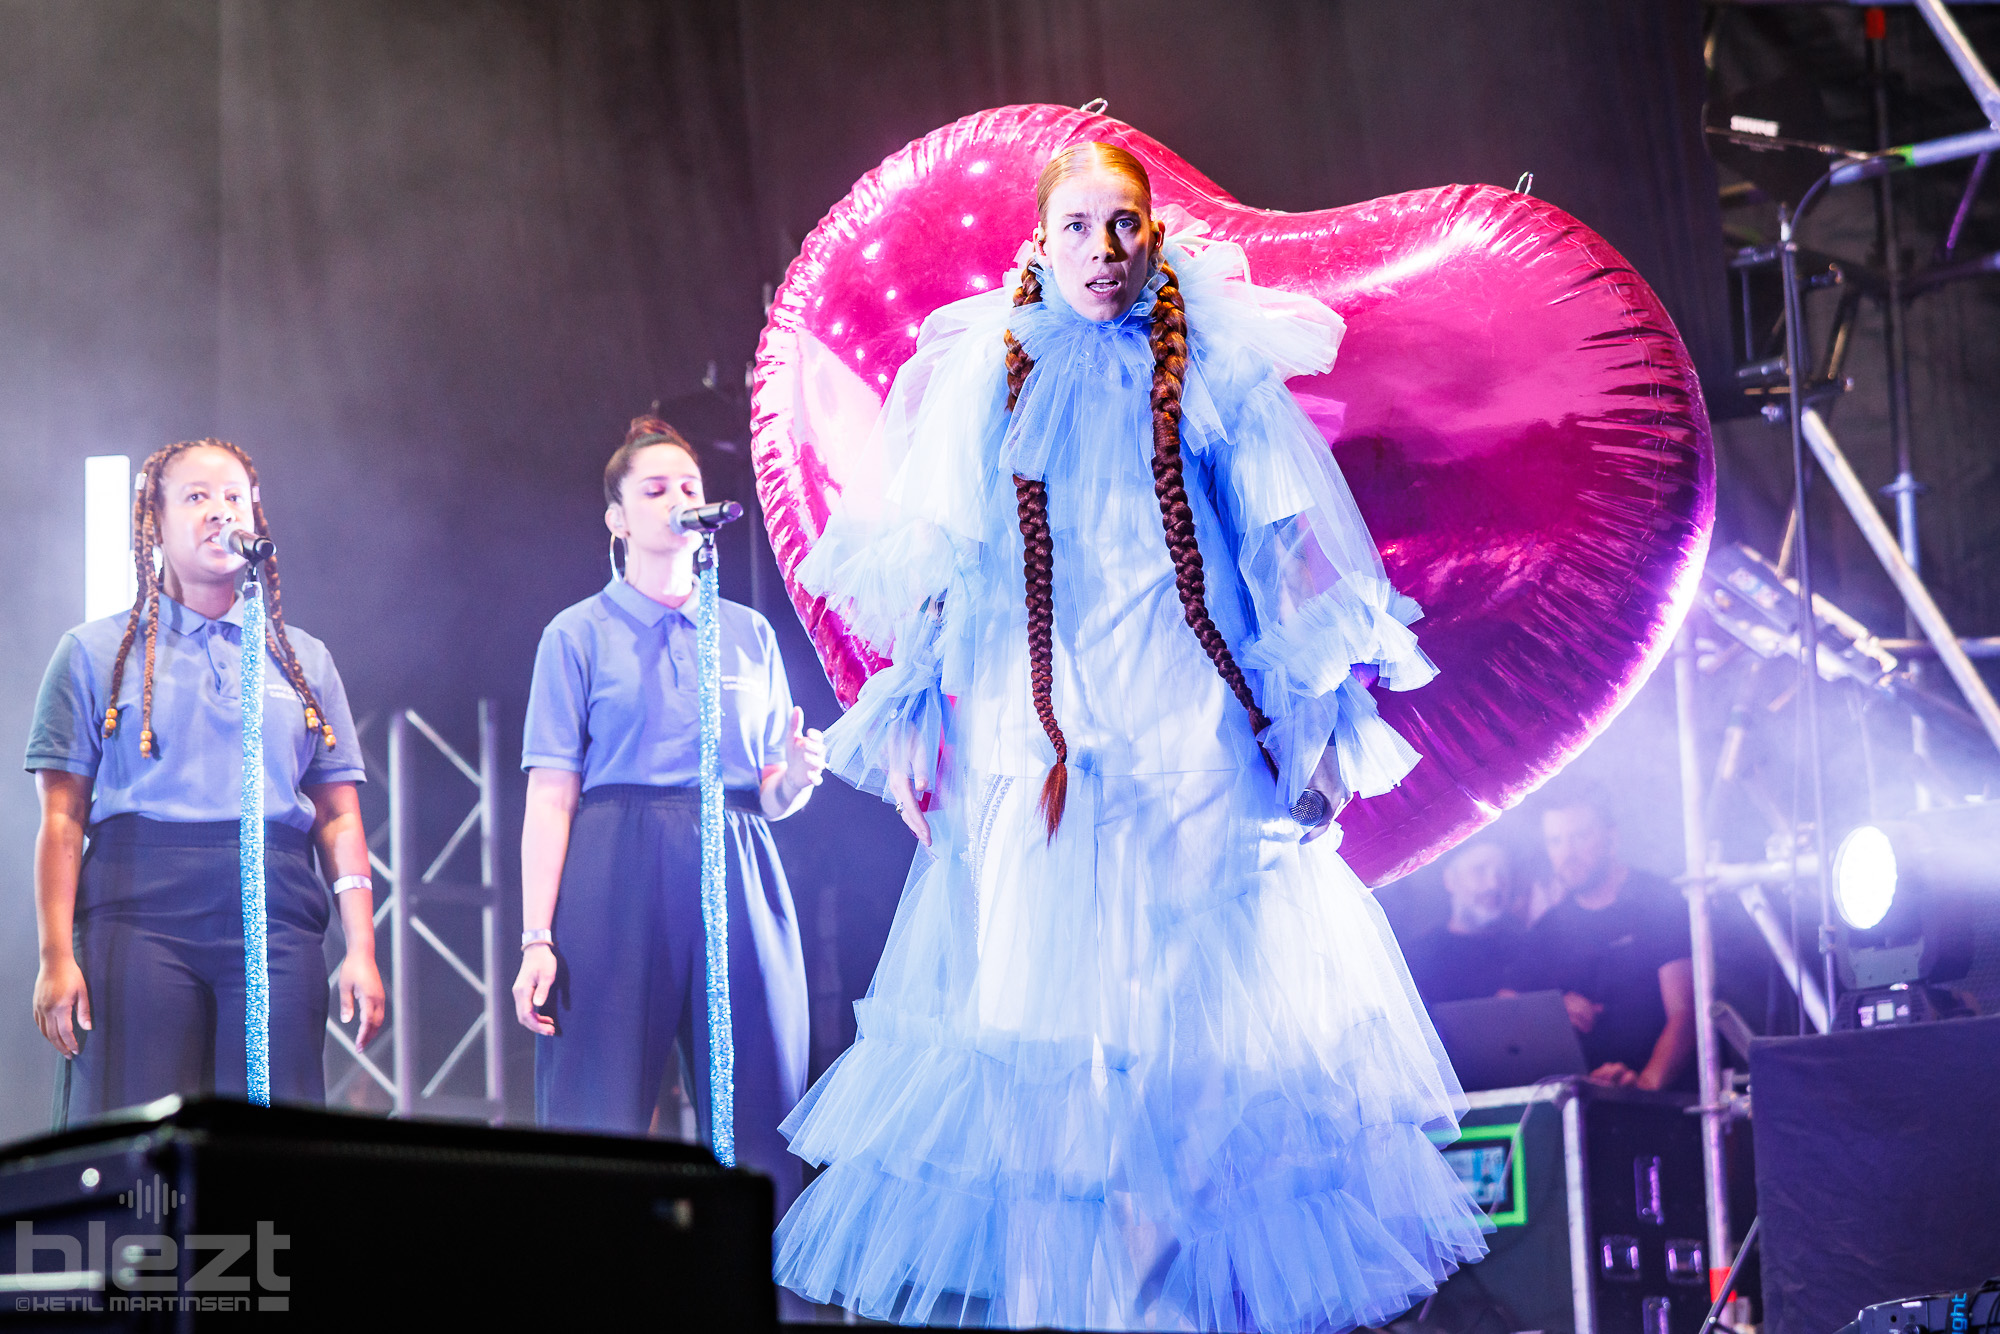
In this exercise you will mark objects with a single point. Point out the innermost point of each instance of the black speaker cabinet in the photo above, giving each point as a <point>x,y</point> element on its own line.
<point>179,1217</point>
<point>1878,1167</point>
<point>1598,1205</point>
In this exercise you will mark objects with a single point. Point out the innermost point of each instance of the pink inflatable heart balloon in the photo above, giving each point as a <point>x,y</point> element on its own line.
<point>1519,421</point>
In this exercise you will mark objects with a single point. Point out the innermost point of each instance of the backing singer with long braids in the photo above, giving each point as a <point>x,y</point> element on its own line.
<point>146,608</point>
<point>1139,1053</point>
<point>142,970</point>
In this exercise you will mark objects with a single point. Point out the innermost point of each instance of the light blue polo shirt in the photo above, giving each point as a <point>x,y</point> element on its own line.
<point>615,696</point>
<point>196,769</point>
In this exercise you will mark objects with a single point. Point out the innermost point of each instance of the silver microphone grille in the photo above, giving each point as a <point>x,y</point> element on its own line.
<point>1311,808</point>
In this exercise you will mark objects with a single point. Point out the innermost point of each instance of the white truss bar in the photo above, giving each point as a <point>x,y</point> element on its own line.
<point>444,747</point>
<point>458,837</point>
<point>458,965</point>
<point>451,1061</point>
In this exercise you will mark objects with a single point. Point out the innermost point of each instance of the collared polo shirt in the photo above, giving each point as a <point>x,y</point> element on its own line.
<point>616,698</point>
<point>196,769</point>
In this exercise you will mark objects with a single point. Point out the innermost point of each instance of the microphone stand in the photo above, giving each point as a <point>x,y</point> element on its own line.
<point>714,878</point>
<point>250,850</point>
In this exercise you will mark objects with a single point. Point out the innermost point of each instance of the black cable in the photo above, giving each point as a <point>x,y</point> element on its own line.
<point>1729,1283</point>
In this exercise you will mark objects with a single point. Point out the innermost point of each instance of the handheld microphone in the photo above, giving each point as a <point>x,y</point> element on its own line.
<point>1311,808</point>
<point>251,546</point>
<point>706,518</point>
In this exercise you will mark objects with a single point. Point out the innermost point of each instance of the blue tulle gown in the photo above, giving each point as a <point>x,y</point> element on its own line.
<point>1166,1071</point>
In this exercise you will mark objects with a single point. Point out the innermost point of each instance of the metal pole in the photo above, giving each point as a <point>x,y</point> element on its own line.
<point>1895,351</point>
<point>1915,596</point>
<point>1576,1196</point>
<point>489,912</point>
<point>1970,67</point>
<point>1701,936</point>
<point>1795,361</point>
<point>402,857</point>
<point>1777,936</point>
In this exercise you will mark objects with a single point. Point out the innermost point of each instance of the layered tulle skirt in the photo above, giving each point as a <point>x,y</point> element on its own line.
<point>1163,1071</point>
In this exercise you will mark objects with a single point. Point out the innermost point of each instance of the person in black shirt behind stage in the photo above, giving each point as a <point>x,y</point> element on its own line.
<point>1616,946</point>
<point>1469,956</point>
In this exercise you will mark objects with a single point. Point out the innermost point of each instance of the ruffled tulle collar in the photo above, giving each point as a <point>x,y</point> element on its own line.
<point>1138,315</point>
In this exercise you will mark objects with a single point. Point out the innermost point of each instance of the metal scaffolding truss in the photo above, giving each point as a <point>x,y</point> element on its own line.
<point>421,937</point>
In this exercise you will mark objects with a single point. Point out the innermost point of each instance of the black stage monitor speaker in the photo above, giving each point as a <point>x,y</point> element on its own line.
<point>1878,1167</point>
<point>190,1216</point>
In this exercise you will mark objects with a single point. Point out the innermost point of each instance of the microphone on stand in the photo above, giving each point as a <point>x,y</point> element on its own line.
<point>251,546</point>
<point>706,518</point>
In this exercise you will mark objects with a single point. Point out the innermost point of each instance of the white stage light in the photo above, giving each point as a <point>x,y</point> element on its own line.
<point>1864,877</point>
<point>108,582</point>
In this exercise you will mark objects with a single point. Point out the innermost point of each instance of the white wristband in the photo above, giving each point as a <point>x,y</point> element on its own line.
<point>347,882</point>
<point>541,937</point>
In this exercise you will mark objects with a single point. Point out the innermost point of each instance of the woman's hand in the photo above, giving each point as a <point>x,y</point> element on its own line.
<point>805,754</point>
<point>909,791</point>
<point>1327,782</point>
<point>531,989</point>
<point>360,989</point>
<point>786,787</point>
<point>59,990</point>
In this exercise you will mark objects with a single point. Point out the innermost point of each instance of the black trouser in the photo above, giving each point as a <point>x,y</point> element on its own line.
<point>633,973</point>
<point>159,935</point>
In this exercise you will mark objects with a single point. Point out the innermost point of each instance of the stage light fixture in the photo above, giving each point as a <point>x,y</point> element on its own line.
<point>1906,891</point>
<point>1864,877</point>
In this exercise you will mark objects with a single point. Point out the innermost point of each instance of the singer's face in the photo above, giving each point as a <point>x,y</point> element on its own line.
<point>1099,238</point>
<point>662,479</point>
<point>203,492</point>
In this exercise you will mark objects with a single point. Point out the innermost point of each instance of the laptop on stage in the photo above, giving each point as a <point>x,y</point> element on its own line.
<point>1501,1042</point>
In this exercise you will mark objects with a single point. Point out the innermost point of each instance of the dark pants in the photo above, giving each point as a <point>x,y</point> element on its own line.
<point>633,973</point>
<point>159,932</point>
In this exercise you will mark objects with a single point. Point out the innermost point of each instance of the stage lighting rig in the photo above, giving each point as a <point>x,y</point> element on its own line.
<point>1752,602</point>
<point>1905,891</point>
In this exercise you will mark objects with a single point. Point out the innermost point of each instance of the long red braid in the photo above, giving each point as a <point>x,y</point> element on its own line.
<point>146,607</point>
<point>1169,344</point>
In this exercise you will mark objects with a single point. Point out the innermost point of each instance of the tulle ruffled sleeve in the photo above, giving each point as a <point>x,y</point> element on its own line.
<point>893,565</point>
<point>1322,604</point>
<point>897,722</point>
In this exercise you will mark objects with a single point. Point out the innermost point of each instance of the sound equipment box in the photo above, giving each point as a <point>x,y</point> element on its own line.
<point>1597,1201</point>
<point>188,1215</point>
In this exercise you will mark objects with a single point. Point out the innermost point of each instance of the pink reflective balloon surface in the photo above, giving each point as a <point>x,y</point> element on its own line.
<point>1519,421</point>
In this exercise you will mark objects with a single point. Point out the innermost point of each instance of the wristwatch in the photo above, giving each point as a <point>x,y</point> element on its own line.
<point>541,937</point>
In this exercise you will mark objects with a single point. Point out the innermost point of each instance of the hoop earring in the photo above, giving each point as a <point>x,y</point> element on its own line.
<point>159,562</point>
<point>617,572</point>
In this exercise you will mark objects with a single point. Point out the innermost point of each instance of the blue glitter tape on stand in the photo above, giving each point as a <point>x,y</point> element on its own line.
<point>714,885</point>
<point>250,843</point>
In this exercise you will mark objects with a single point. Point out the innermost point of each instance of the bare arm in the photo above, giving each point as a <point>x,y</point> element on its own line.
<point>553,795</point>
<point>61,1001</point>
<point>343,850</point>
<point>1676,1040</point>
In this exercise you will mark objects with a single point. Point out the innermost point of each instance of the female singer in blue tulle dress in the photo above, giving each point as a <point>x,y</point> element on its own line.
<point>1141,1051</point>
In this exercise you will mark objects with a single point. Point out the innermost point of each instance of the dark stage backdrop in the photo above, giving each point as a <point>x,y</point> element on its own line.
<point>425,257</point>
